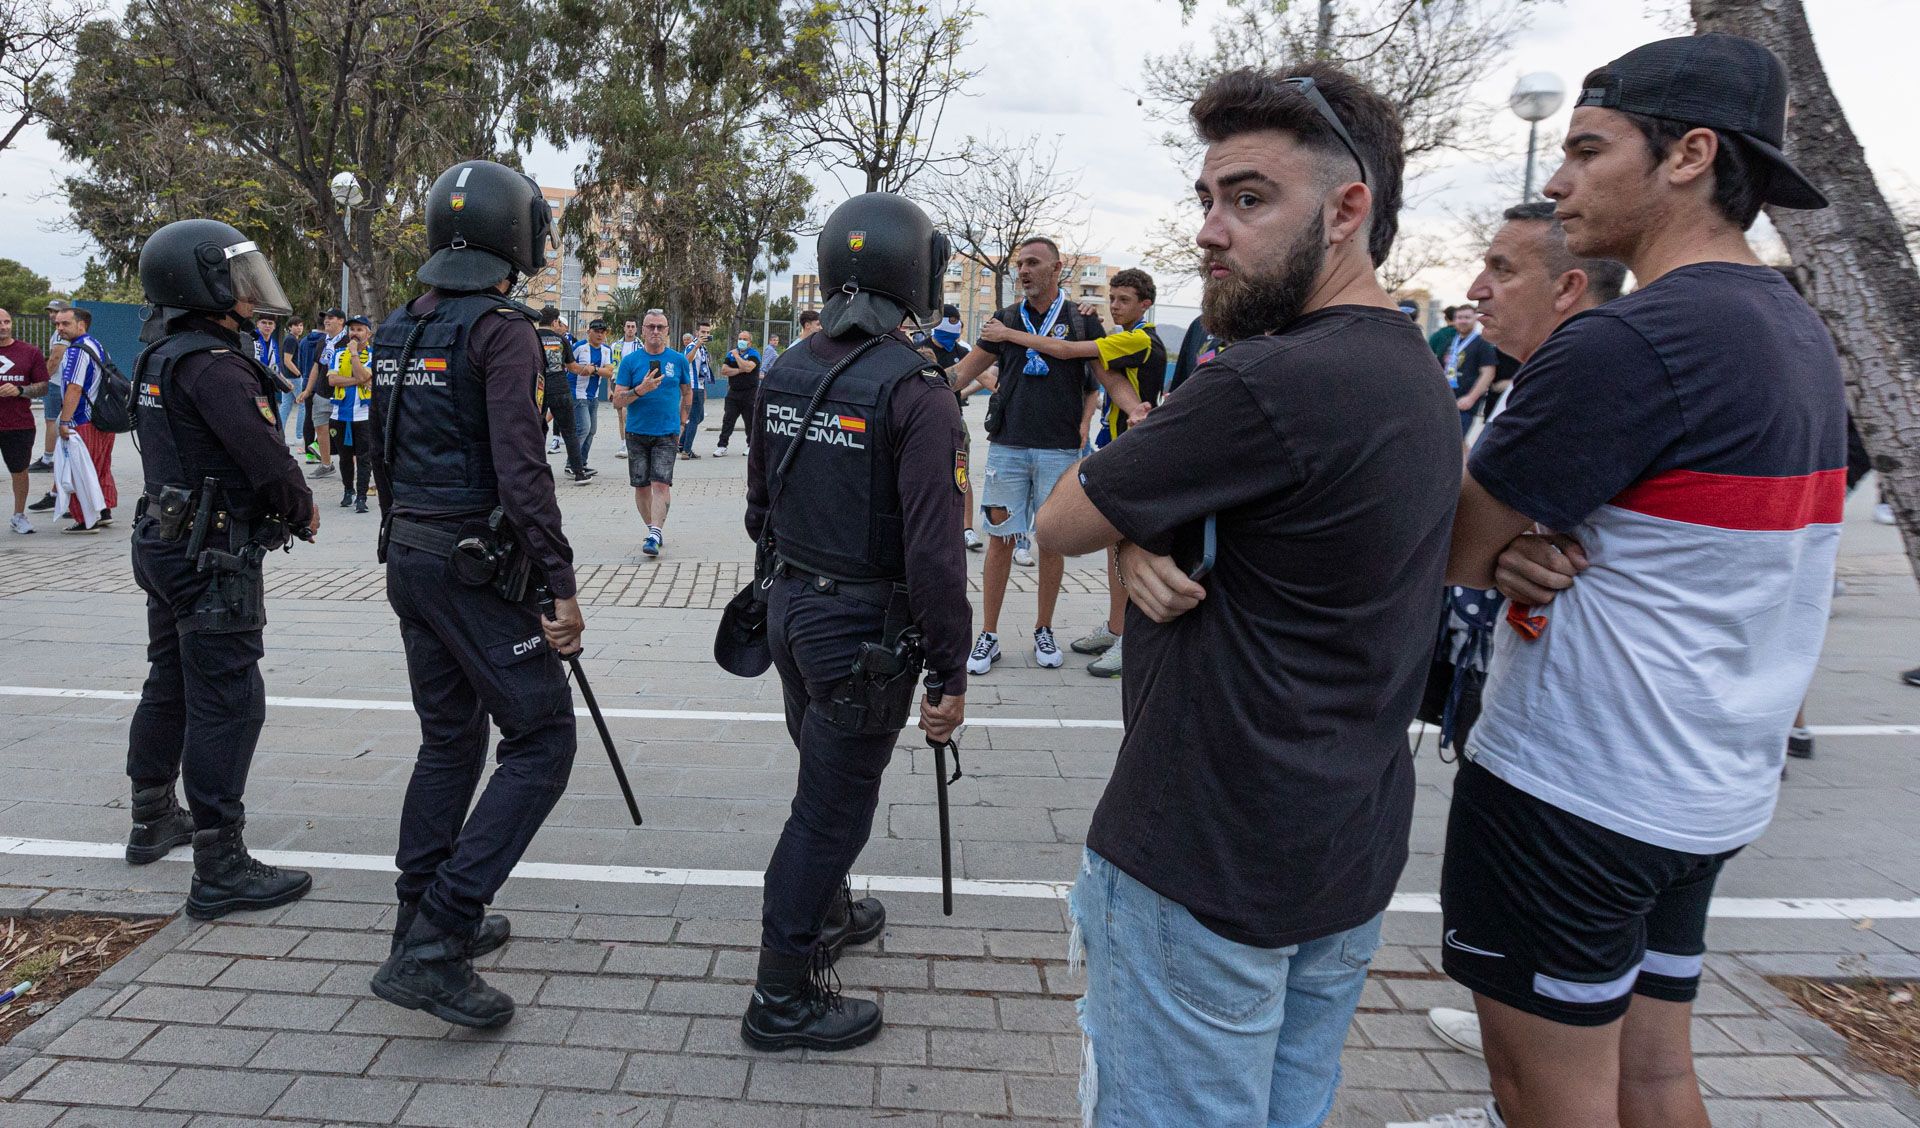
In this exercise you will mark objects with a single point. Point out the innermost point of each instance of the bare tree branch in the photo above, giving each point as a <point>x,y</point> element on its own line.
<point>1008,191</point>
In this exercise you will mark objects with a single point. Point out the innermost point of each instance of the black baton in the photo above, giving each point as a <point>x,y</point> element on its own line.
<point>935,684</point>
<point>599,722</point>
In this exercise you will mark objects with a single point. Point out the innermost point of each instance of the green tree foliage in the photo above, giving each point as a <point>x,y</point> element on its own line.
<point>760,208</point>
<point>99,284</point>
<point>246,111</point>
<point>21,290</point>
<point>663,95</point>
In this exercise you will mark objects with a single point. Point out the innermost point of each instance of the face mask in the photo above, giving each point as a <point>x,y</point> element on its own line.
<point>745,345</point>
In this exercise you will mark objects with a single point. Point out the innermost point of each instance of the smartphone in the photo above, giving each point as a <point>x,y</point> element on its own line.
<point>653,367</point>
<point>1209,544</point>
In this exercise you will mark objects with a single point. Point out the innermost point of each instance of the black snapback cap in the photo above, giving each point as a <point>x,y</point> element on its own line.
<point>1725,82</point>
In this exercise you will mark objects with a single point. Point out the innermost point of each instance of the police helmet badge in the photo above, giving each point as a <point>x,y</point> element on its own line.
<point>856,241</point>
<point>459,201</point>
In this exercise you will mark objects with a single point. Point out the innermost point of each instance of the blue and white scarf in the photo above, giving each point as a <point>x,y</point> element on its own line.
<point>1036,364</point>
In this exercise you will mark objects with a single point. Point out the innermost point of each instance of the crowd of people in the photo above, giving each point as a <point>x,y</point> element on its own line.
<point>1610,600</point>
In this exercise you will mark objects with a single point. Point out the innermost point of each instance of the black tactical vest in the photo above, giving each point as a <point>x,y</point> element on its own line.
<point>838,512</point>
<point>437,444</point>
<point>177,446</point>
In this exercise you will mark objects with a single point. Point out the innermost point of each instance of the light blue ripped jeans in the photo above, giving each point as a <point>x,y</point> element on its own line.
<point>1185,1027</point>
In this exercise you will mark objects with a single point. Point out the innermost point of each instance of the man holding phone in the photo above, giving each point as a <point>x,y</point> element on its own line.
<point>655,388</point>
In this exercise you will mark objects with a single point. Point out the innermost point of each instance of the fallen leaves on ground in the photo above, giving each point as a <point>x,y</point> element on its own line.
<point>60,955</point>
<point>1879,1018</point>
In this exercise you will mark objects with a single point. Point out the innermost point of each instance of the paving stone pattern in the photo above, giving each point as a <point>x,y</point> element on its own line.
<point>631,993</point>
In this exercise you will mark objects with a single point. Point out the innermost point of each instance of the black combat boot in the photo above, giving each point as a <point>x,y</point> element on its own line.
<point>797,1002</point>
<point>494,930</point>
<point>227,879</point>
<point>851,922</point>
<point>432,971</point>
<point>159,824</point>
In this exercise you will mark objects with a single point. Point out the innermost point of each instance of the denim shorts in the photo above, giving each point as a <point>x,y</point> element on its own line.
<point>1019,479</point>
<point>650,459</point>
<point>1253,1034</point>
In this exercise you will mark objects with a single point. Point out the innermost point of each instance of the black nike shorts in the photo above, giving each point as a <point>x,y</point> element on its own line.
<point>1563,918</point>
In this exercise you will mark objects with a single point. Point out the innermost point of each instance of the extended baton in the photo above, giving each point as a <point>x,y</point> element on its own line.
<point>599,722</point>
<point>935,685</point>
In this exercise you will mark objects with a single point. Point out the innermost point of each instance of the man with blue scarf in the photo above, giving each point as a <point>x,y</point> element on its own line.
<point>352,381</point>
<point>1036,425</point>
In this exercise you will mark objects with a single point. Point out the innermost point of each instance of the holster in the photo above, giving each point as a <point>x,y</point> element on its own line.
<point>876,697</point>
<point>172,510</point>
<point>236,597</point>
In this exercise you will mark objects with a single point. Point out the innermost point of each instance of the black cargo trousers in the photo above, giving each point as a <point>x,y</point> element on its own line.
<point>473,657</point>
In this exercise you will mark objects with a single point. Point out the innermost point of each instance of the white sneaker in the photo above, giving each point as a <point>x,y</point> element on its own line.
<point>719,452</point>
<point>1486,1116</point>
<point>1023,551</point>
<point>20,524</point>
<point>621,453</point>
<point>974,543</point>
<point>1099,642</point>
<point>1883,513</point>
<point>1045,650</point>
<point>1108,664</point>
<point>554,445</point>
<point>1457,1028</point>
<point>986,651</point>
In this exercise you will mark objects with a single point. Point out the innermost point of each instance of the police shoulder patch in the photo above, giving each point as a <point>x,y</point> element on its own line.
<point>266,408</point>
<point>960,470</point>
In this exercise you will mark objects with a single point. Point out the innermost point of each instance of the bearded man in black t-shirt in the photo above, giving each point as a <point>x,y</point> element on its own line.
<point>1240,862</point>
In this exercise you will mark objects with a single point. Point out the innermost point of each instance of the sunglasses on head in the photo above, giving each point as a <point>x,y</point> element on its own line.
<point>1320,106</point>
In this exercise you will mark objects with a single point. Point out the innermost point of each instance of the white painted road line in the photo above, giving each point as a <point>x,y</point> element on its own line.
<point>1725,908</point>
<point>396,706</point>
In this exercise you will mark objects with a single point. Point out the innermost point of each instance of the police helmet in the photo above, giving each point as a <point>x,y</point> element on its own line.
<point>208,266</point>
<point>883,243</point>
<point>484,222</point>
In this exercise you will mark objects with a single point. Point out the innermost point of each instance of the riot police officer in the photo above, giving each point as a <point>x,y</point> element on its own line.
<point>221,492</point>
<point>470,534</point>
<point>855,478</point>
<point>556,393</point>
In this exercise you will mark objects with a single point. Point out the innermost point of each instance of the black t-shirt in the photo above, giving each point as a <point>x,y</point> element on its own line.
<point>1043,411</point>
<point>1474,355</point>
<point>1264,781</point>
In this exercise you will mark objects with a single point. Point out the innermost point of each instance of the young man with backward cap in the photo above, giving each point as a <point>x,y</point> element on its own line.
<point>1661,499</point>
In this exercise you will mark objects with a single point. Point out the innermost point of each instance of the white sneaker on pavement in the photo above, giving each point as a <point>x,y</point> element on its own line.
<point>621,453</point>
<point>554,444</point>
<point>20,524</point>
<point>1045,650</point>
<point>1099,642</point>
<point>986,651</point>
<point>1108,664</point>
<point>1883,513</point>
<point>719,452</point>
<point>1023,551</point>
<point>974,543</point>
<point>1459,1029</point>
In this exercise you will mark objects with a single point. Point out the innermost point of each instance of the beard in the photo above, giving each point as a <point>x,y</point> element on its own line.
<point>1244,305</point>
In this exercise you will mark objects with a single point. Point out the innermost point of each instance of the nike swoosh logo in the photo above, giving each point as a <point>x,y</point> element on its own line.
<point>1457,945</point>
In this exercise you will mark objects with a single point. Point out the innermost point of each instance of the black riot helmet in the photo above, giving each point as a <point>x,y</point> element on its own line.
<point>484,222</point>
<point>882,243</point>
<point>208,266</point>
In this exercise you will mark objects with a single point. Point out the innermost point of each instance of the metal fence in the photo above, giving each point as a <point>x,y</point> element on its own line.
<point>35,329</point>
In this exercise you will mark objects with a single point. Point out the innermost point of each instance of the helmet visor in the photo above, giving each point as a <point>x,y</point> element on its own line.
<point>253,281</point>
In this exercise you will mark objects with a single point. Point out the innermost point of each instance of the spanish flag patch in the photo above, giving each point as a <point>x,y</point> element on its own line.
<point>852,423</point>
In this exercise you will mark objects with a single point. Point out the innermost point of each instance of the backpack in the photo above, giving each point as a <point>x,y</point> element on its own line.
<point>110,405</point>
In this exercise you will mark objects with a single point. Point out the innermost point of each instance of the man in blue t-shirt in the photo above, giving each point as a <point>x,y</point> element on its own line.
<point>655,388</point>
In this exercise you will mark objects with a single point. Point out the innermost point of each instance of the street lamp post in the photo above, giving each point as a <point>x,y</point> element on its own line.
<point>346,193</point>
<point>1535,98</point>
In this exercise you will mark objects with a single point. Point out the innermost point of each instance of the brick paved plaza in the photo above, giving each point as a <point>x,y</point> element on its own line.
<point>634,948</point>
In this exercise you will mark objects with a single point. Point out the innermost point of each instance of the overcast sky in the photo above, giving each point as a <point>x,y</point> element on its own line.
<point>1073,70</point>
